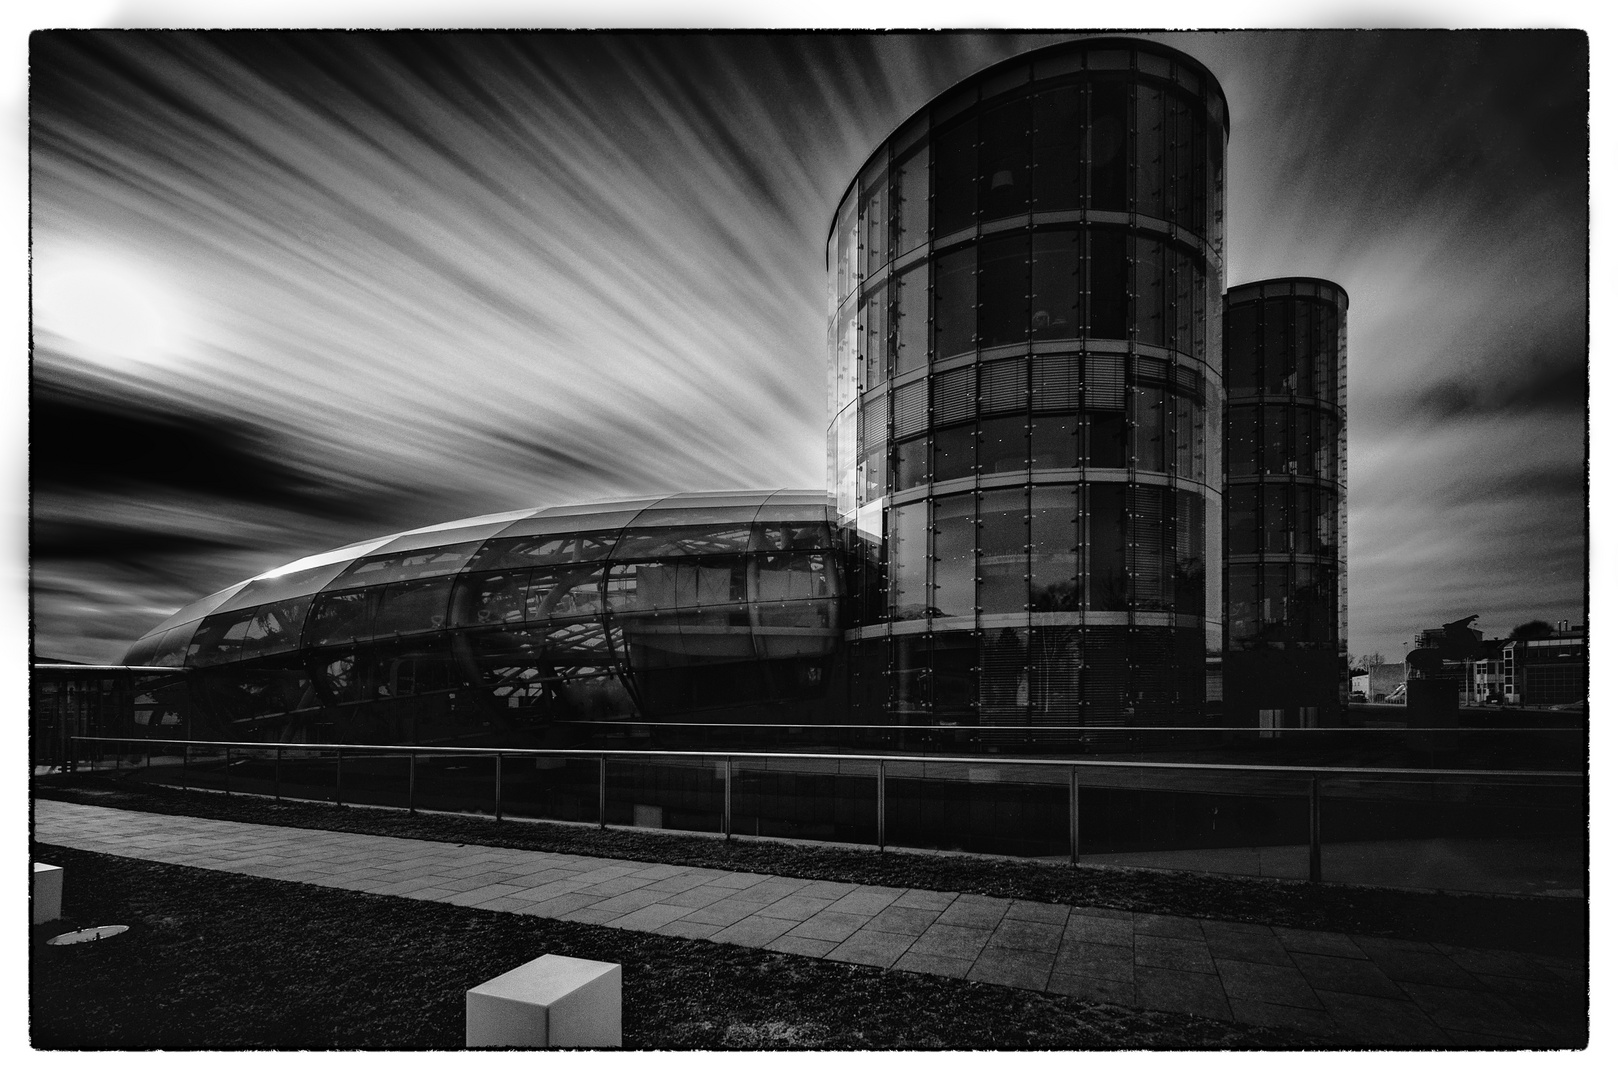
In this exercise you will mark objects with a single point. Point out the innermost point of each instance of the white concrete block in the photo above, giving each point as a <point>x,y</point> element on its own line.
<point>47,892</point>
<point>552,1001</point>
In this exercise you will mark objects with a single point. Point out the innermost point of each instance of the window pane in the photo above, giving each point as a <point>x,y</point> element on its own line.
<point>1053,442</point>
<point>873,223</point>
<point>1149,150</point>
<point>1058,127</point>
<point>1108,584</point>
<point>1146,409</point>
<point>1241,351</point>
<point>953,591</point>
<point>339,617</point>
<point>954,677</point>
<point>907,554</point>
<point>910,201</point>
<point>954,451</point>
<point>954,177</point>
<point>1003,556</point>
<point>1107,279</point>
<point>1189,581</point>
<point>1275,439</point>
<point>1056,285</point>
<point>1003,291</point>
<point>1003,170</point>
<point>909,464</point>
<point>1277,522</point>
<point>1109,159</point>
<point>910,320</point>
<point>1243,604</point>
<point>1106,432</point>
<point>1183,430</point>
<point>954,302</point>
<point>874,318</point>
<point>411,607</point>
<point>1242,452</point>
<point>1003,445</point>
<point>1241,514</point>
<point>1054,556</point>
<point>1149,287</point>
<point>1277,365</point>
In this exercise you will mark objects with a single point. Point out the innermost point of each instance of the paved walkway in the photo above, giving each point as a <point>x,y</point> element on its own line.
<point>1350,989</point>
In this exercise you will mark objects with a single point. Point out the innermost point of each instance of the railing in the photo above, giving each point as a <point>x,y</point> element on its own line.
<point>1162,807</point>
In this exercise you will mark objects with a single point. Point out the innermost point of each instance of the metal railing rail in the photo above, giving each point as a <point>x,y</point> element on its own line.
<point>1312,773</point>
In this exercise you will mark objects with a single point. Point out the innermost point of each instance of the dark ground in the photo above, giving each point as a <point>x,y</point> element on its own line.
<point>223,960</point>
<point>1551,925</point>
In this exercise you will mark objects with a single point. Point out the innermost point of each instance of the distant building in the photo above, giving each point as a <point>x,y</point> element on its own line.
<point>1552,670</point>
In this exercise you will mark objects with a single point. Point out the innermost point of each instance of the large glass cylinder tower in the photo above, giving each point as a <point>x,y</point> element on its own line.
<point>1026,396</point>
<point>1286,493</point>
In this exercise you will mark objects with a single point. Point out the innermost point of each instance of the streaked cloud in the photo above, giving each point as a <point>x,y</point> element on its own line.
<point>403,278</point>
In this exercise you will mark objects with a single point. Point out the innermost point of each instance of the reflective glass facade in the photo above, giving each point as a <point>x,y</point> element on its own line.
<point>1286,494</point>
<point>1025,391</point>
<point>504,625</point>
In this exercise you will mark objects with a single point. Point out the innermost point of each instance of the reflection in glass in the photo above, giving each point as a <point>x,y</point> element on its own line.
<point>1003,551</point>
<point>1055,556</point>
<point>953,542</point>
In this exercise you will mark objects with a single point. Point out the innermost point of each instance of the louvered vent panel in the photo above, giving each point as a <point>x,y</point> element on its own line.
<point>1055,665</point>
<point>1005,386</point>
<point>910,409</point>
<point>1056,382</point>
<point>1104,382</point>
<point>1003,677</point>
<point>954,396</point>
<point>873,424</point>
<point>1151,369</point>
<point>1106,676</point>
<point>1146,533</point>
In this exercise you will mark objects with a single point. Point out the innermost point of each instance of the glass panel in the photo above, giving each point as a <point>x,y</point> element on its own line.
<point>1241,514</point>
<point>1303,347</point>
<point>1109,585</point>
<point>911,692</point>
<point>954,302</point>
<point>1243,604</point>
<point>1244,442</point>
<point>664,586</point>
<point>1273,608</point>
<point>1189,521</point>
<point>276,627</point>
<point>1108,278</point>
<point>1276,366</point>
<point>1003,291</point>
<point>873,475</point>
<point>1109,158</point>
<point>1055,558</point>
<point>1185,284</point>
<point>172,648</point>
<point>954,177</point>
<point>953,541</point>
<point>1150,284</point>
<point>336,618</point>
<point>910,320</point>
<point>1150,545</point>
<point>1146,413</point>
<point>1056,285</point>
<point>1106,431</point>
<point>219,638</point>
<point>1058,127</point>
<point>955,678</point>
<point>953,452</point>
<point>1277,522</point>
<point>1183,430</point>
<point>873,222</point>
<point>640,542</point>
<point>510,552</point>
<point>411,607</point>
<point>909,464</point>
<point>407,565</point>
<point>1003,445</point>
<point>1149,151</point>
<point>1276,449</point>
<point>846,255</point>
<point>907,560</point>
<point>798,576</point>
<point>910,201</point>
<point>482,599</point>
<point>789,535</point>
<point>562,592</point>
<point>1003,551</point>
<point>1053,442</point>
<point>1003,182</point>
<point>1304,540</point>
<point>874,318</point>
<point>1241,351</point>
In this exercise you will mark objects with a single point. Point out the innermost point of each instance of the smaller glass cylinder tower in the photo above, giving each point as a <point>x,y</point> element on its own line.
<point>1286,486</point>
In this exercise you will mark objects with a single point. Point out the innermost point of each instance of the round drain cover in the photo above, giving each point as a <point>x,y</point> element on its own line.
<point>93,933</point>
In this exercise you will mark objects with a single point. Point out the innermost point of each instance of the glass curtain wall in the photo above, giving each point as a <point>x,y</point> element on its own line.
<point>1286,364</point>
<point>1029,266</point>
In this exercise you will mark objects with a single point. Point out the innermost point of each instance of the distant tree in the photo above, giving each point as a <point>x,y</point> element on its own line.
<point>1371,660</point>
<point>1533,628</point>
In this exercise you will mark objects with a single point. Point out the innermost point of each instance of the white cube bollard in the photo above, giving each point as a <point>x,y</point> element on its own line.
<point>47,892</point>
<point>552,1001</point>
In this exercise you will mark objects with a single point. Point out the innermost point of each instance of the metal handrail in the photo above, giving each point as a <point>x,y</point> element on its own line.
<point>1313,773</point>
<point>920,759</point>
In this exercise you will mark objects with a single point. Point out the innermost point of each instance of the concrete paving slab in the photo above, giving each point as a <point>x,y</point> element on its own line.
<point>1320,942</point>
<point>949,939</point>
<point>755,931</point>
<point>1025,968</point>
<point>1109,963</point>
<point>726,912</point>
<point>833,926</point>
<point>796,907</point>
<point>1413,966</point>
<point>827,890</point>
<point>801,946</point>
<point>902,920</point>
<point>1034,911</point>
<point>1478,1012</point>
<point>1377,1021</point>
<point>866,900</point>
<point>1181,991</point>
<point>951,967</point>
<point>1109,991</point>
<point>979,911</point>
<point>1267,1014</point>
<point>1253,948</point>
<point>1174,953</point>
<point>1013,933</point>
<point>1100,931</point>
<point>1168,926</point>
<point>926,899</point>
<point>871,947</point>
<point>651,917</point>
<point>1269,983</point>
<point>1347,976</point>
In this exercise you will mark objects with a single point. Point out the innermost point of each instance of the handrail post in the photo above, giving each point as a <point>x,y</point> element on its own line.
<point>227,768</point>
<point>410,795</point>
<point>337,791</point>
<point>185,766</point>
<point>277,774</point>
<point>881,805</point>
<point>601,792</point>
<point>499,776</point>
<point>1314,827</point>
<point>727,799</point>
<point>1073,816</point>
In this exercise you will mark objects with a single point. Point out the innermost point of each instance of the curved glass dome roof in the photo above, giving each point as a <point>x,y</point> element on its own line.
<point>272,609</point>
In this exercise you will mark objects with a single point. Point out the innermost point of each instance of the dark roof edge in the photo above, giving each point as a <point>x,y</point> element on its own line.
<point>1246,285</point>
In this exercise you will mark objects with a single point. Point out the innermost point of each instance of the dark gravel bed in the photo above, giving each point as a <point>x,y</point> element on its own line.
<point>1551,925</point>
<point>218,960</point>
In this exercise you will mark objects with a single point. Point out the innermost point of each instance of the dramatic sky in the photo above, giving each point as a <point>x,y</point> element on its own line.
<point>296,291</point>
